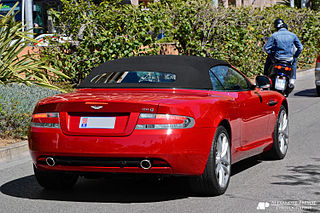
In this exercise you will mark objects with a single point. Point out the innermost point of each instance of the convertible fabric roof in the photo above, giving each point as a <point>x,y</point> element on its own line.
<point>192,72</point>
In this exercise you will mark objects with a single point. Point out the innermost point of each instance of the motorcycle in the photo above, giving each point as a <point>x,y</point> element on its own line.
<point>280,74</point>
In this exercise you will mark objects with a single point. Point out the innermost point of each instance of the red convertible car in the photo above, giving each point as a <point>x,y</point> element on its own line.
<point>178,115</point>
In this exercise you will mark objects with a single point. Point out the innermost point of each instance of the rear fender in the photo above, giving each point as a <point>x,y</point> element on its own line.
<point>205,115</point>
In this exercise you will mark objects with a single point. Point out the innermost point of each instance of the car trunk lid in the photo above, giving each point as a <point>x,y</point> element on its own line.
<point>108,112</point>
<point>98,114</point>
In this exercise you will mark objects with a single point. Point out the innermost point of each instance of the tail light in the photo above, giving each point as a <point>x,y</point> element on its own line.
<point>164,121</point>
<point>318,59</point>
<point>45,120</point>
<point>280,67</point>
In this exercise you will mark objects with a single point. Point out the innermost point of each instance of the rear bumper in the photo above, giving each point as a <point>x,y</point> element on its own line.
<point>184,150</point>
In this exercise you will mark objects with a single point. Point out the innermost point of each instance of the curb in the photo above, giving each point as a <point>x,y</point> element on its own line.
<point>9,152</point>
<point>304,71</point>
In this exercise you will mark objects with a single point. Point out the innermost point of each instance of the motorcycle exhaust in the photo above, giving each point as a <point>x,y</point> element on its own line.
<point>50,161</point>
<point>145,164</point>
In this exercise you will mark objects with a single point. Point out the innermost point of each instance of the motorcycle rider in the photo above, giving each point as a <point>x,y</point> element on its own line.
<point>283,45</point>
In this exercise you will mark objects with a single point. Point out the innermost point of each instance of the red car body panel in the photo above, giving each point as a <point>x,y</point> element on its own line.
<point>185,151</point>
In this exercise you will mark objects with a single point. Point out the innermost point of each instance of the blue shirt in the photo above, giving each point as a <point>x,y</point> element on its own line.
<point>283,45</point>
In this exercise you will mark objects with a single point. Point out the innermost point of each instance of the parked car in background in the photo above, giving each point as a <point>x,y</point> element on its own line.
<point>317,75</point>
<point>44,39</point>
<point>172,115</point>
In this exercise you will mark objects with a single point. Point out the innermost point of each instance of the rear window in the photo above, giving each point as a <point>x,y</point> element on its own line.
<point>134,77</point>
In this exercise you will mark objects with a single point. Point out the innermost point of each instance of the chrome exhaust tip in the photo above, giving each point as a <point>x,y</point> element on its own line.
<point>145,164</point>
<point>50,161</point>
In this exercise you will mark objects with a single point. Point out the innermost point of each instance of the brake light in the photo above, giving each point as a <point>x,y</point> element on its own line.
<point>45,120</point>
<point>318,59</point>
<point>287,69</point>
<point>46,115</point>
<point>164,121</point>
<point>278,67</point>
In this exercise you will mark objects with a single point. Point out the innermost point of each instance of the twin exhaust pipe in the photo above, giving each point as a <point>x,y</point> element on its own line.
<point>144,164</point>
<point>50,161</point>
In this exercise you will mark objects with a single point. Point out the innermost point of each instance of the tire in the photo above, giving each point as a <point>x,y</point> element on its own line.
<point>280,136</point>
<point>318,90</point>
<point>55,180</point>
<point>216,176</point>
<point>289,89</point>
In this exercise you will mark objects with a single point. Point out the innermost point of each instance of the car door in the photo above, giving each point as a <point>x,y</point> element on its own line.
<point>253,111</point>
<point>271,102</point>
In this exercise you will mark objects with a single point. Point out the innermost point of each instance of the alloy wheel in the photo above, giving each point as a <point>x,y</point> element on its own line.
<point>223,161</point>
<point>283,132</point>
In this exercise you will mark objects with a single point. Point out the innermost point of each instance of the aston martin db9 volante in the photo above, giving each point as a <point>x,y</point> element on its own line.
<point>173,115</point>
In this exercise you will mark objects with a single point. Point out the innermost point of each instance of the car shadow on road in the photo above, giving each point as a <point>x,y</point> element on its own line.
<point>245,164</point>
<point>123,190</point>
<point>307,93</point>
<point>113,190</point>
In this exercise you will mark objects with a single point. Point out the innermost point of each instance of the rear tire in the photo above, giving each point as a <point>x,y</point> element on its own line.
<point>318,90</point>
<point>280,136</point>
<point>55,180</point>
<point>216,176</point>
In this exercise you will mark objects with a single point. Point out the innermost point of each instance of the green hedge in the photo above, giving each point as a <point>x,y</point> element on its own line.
<point>111,30</point>
<point>18,102</point>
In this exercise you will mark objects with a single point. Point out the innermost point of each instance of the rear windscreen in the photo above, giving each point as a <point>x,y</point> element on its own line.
<point>134,77</point>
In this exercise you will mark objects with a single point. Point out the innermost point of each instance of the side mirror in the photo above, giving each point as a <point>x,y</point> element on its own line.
<point>263,82</point>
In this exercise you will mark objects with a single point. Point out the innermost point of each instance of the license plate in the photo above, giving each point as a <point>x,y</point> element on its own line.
<point>97,122</point>
<point>280,84</point>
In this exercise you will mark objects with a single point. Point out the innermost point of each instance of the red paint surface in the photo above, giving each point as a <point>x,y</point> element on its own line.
<point>185,150</point>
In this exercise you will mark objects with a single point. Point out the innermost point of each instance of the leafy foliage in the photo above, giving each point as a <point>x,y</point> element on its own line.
<point>110,30</point>
<point>18,102</point>
<point>103,32</point>
<point>313,4</point>
<point>26,69</point>
<point>236,34</point>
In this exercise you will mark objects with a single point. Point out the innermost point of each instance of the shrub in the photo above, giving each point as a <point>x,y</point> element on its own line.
<point>24,69</point>
<point>236,34</point>
<point>104,32</point>
<point>109,31</point>
<point>18,102</point>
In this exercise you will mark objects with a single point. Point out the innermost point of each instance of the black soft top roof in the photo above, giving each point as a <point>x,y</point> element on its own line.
<point>192,72</point>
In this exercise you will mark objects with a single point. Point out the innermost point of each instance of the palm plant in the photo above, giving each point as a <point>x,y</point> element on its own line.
<point>28,69</point>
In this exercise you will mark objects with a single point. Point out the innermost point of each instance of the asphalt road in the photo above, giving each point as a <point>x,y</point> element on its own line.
<point>289,185</point>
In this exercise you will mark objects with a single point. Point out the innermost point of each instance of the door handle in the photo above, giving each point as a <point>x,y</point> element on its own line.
<point>272,103</point>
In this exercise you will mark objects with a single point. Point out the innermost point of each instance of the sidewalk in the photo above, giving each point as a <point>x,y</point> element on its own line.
<point>12,151</point>
<point>300,72</point>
